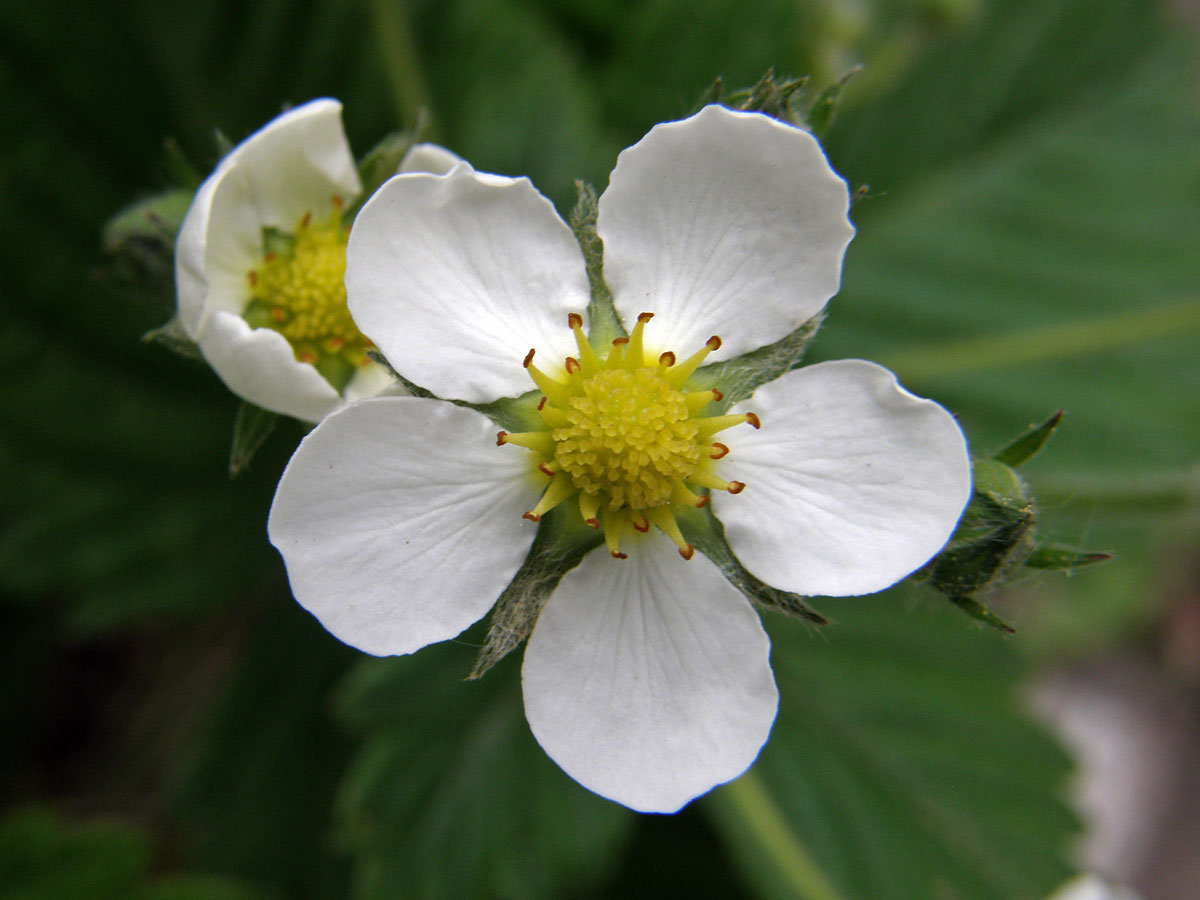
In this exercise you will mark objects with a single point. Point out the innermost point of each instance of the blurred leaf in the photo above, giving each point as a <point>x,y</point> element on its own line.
<point>901,766</point>
<point>1029,243</point>
<point>256,787</point>
<point>450,796</point>
<point>43,857</point>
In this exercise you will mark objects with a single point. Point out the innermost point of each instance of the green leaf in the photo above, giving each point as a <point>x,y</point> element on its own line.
<point>256,786</point>
<point>450,796</point>
<point>44,857</point>
<point>900,767</point>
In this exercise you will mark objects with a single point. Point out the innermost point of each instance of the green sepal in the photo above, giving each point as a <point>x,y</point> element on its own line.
<point>706,533</point>
<point>603,322</point>
<point>172,335</point>
<point>1028,444</point>
<point>1063,556</point>
<point>509,413</point>
<point>820,113</point>
<point>775,98</point>
<point>738,378</point>
<point>562,540</point>
<point>179,168</point>
<point>251,428</point>
<point>995,536</point>
<point>224,144</point>
<point>381,163</point>
<point>150,222</point>
<point>981,613</point>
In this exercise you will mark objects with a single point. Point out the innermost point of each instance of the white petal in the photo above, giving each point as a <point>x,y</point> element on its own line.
<point>295,164</point>
<point>456,277</point>
<point>648,679</point>
<point>191,281</point>
<point>259,365</point>
<point>429,158</point>
<point>851,484</point>
<point>400,523</point>
<point>726,222</point>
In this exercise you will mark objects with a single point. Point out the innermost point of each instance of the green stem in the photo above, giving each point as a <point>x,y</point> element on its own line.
<point>1049,343</point>
<point>749,800</point>
<point>399,52</point>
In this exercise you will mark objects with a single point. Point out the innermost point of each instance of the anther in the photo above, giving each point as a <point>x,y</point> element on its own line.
<point>545,469</point>
<point>531,517</point>
<point>667,359</point>
<point>717,396</point>
<point>306,221</point>
<point>713,343</point>
<point>753,421</point>
<point>500,438</point>
<point>574,320</point>
<point>542,403</point>
<point>736,487</point>
<point>687,551</point>
<point>718,450</point>
<point>529,357</point>
<point>572,365</point>
<point>642,524</point>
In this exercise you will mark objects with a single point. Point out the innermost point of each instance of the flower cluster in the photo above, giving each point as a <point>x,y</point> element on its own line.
<point>646,677</point>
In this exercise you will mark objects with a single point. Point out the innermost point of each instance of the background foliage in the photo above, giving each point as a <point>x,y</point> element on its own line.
<point>1027,242</point>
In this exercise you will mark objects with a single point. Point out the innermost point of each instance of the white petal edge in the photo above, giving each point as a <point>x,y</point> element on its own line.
<point>648,679</point>
<point>400,523</point>
<point>259,365</point>
<point>851,484</point>
<point>455,278</point>
<point>432,158</point>
<point>725,222</point>
<point>294,164</point>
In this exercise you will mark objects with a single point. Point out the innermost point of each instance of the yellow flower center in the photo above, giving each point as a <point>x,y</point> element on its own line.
<point>299,291</point>
<point>624,436</point>
<point>628,437</point>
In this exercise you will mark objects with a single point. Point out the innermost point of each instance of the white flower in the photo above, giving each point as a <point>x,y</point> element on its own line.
<point>259,263</point>
<point>646,677</point>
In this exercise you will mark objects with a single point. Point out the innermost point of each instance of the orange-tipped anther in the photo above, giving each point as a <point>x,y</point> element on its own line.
<point>617,554</point>
<point>545,469</point>
<point>572,365</point>
<point>703,501</point>
<point>500,438</point>
<point>528,358</point>
<point>592,523</point>
<point>753,421</point>
<point>713,343</point>
<point>717,395</point>
<point>718,450</point>
<point>531,517</point>
<point>574,320</point>
<point>736,487</point>
<point>645,317</point>
<point>542,403</point>
<point>642,524</point>
<point>687,551</point>
<point>667,359</point>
